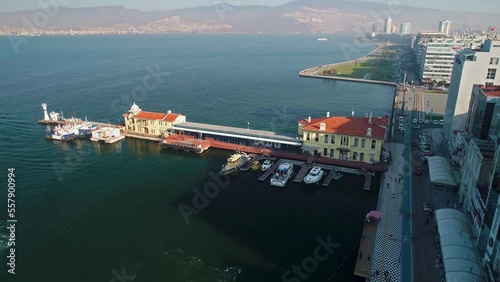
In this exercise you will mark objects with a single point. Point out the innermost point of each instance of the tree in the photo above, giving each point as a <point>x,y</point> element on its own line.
<point>442,83</point>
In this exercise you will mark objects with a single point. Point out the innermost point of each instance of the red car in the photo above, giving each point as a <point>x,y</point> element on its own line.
<point>418,171</point>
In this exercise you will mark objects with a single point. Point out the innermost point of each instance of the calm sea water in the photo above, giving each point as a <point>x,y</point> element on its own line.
<point>89,212</point>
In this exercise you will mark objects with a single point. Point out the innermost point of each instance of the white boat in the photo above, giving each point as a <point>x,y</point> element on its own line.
<point>266,165</point>
<point>337,175</point>
<point>314,175</point>
<point>283,173</point>
<point>61,134</point>
<point>234,162</point>
<point>322,39</point>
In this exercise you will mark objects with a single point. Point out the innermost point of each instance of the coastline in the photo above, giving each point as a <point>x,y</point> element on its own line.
<point>311,72</point>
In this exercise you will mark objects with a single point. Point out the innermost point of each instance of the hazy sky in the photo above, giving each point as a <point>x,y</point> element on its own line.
<point>490,6</point>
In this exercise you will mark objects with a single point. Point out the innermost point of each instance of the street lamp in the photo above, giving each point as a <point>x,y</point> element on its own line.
<point>248,126</point>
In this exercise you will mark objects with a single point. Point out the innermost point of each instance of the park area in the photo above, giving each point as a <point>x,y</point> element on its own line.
<point>378,66</point>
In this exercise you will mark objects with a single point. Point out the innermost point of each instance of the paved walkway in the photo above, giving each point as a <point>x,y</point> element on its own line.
<point>387,252</point>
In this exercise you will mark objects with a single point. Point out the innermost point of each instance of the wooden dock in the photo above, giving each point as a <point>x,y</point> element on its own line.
<point>249,164</point>
<point>302,173</point>
<point>329,177</point>
<point>365,253</point>
<point>368,180</point>
<point>271,170</point>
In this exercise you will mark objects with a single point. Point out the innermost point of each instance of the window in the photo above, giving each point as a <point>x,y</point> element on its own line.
<point>325,152</point>
<point>354,156</point>
<point>346,140</point>
<point>363,143</point>
<point>333,139</point>
<point>332,153</point>
<point>488,84</point>
<point>491,73</point>
<point>316,137</point>
<point>362,157</point>
<point>374,144</point>
<point>308,136</point>
<point>326,139</point>
<point>494,61</point>
<point>356,141</point>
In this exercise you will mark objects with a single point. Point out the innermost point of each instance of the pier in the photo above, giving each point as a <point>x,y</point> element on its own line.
<point>368,180</point>
<point>329,177</point>
<point>271,170</point>
<point>363,266</point>
<point>302,173</point>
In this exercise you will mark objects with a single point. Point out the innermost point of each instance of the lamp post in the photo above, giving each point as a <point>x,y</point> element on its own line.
<point>248,126</point>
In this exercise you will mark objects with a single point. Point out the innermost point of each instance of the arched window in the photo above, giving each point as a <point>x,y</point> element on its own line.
<point>355,156</point>
<point>374,144</point>
<point>325,152</point>
<point>332,153</point>
<point>362,157</point>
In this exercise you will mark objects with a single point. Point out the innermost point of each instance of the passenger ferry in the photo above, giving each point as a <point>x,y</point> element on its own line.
<point>283,173</point>
<point>234,162</point>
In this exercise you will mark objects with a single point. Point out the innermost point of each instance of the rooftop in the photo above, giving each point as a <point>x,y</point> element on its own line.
<point>356,126</point>
<point>491,90</point>
<point>155,116</point>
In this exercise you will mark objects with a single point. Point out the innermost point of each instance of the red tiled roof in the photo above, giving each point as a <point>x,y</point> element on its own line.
<point>171,117</point>
<point>356,126</point>
<point>313,120</point>
<point>150,115</point>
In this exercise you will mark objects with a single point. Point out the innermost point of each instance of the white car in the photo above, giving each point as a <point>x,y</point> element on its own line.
<point>441,122</point>
<point>435,122</point>
<point>415,120</point>
<point>402,131</point>
<point>426,121</point>
<point>401,118</point>
<point>420,121</point>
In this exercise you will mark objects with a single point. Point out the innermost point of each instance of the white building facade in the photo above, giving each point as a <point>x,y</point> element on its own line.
<point>445,27</point>
<point>405,28</point>
<point>470,67</point>
<point>388,26</point>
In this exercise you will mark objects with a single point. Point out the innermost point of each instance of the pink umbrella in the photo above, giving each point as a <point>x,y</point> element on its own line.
<point>374,214</point>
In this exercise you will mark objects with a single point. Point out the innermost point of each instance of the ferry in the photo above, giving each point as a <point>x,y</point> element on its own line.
<point>283,173</point>
<point>314,175</point>
<point>234,162</point>
<point>322,39</point>
<point>61,134</point>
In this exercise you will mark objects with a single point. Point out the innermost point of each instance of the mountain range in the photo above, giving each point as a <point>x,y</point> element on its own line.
<point>300,16</point>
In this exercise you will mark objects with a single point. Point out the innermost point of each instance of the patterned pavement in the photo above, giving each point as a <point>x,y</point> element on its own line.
<point>386,264</point>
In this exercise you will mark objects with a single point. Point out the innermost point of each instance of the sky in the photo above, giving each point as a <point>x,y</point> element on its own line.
<point>490,6</point>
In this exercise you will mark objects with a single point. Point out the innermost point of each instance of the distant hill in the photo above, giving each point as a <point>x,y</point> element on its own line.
<point>301,16</point>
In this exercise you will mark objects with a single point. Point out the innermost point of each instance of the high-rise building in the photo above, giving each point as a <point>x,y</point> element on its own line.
<point>375,28</point>
<point>436,54</point>
<point>405,28</point>
<point>445,26</point>
<point>483,119</point>
<point>394,29</point>
<point>388,25</point>
<point>470,67</point>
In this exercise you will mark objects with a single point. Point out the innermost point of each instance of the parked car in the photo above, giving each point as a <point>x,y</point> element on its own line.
<point>427,207</point>
<point>424,135</point>
<point>414,142</point>
<point>420,121</point>
<point>426,121</point>
<point>417,126</point>
<point>400,126</point>
<point>402,131</point>
<point>441,122</point>
<point>415,120</point>
<point>435,122</point>
<point>401,118</point>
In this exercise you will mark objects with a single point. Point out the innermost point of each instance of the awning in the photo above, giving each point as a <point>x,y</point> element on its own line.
<point>344,149</point>
<point>441,172</point>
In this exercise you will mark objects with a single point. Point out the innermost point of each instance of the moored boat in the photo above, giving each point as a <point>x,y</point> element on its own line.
<point>266,165</point>
<point>256,165</point>
<point>314,175</point>
<point>234,162</point>
<point>337,175</point>
<point>283,173</point>
<point>61,134</point>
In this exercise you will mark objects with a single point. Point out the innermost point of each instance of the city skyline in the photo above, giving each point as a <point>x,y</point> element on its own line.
<point>148,5</point>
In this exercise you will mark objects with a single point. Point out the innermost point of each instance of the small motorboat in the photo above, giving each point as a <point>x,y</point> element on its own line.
<point>314,175</point>
<point>283,173</point>
<point>337,175</point>
<point>256,165</point>
<point>266,165</point>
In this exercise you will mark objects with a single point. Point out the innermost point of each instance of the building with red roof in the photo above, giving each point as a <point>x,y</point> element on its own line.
<point>358,139</point>
<point>160,124</point>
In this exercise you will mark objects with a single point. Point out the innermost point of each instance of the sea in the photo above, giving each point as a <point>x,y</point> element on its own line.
<point>132,212</point>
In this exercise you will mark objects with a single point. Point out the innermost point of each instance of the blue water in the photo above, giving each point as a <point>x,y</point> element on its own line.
<point>86,210</point>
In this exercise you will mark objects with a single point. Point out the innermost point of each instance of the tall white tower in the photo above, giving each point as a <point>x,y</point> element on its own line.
<point>388,26</point>
<point>445,27</point>
<point>45,115</point>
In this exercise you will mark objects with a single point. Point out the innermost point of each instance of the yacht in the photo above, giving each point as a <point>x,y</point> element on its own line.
<point>283,173</point>
<point>322,39</point>
<point>266,165</point>
<point>234,162</point>
<point>256,165</point>
<point>314,175</point>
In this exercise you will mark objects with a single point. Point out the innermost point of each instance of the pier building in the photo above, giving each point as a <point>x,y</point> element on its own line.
<point>159,124</point>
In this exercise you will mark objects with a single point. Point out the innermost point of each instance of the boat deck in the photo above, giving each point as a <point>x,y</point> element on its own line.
<point>363,266</point>
<point>329,177</point>
<point>270,171</point>
<point>249,164</point>
<point>302,173</point>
